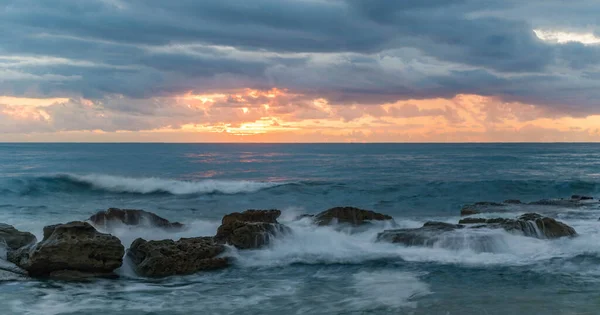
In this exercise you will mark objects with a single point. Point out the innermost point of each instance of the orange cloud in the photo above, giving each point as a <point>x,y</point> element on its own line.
<point>278,115</point>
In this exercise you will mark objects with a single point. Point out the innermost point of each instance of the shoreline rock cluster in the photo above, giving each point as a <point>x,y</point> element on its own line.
<point>576,201</point>
<point>77,250</point>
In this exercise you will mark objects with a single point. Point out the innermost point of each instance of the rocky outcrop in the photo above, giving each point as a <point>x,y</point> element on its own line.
<point>13,238</point>
<point>71,247</point>
<point>544,205</point>
<point>250,229</point>
<point>115,217</point>
<point>349,215</point>
<point>531,225</point>
<point>427,235</point>
<point>168,257</point>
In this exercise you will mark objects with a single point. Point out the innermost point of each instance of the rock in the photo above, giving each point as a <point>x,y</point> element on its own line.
<point>547,206</point>
<point>114,217</point>
<point>513,202</point>
<point>579,197</point>
<point>547,227</point>
<point>250,229</point>
<point>447,235</point>
<point>480,207</point>
<point>428,235</point>
<point>530,224</point>
<point>266,216</point>
<point>349,215</point>
<point>13,238</point>
<point>168,257</point>
<point>565,203</point>
<point>74,275</point>
<point>74,246</point>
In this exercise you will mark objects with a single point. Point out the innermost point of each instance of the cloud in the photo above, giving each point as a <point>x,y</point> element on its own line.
<point>336,60</point>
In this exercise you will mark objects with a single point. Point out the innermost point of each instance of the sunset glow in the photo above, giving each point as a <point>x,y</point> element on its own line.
<point>370,72</point>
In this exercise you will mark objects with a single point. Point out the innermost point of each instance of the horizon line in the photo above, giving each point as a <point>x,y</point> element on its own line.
<point>251,142</point>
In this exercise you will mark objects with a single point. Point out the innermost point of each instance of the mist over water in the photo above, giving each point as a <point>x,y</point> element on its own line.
<point>316,270</point>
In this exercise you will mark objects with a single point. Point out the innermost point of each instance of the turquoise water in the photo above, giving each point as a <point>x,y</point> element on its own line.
<point>315,270</point>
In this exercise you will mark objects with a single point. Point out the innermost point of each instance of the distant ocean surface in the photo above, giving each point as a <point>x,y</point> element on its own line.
<point>315,270</point>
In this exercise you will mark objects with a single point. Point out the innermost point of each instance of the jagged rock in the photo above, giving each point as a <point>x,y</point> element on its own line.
<point>349,215</point>
<point>74,246</point>
<point>168,257</point>
<point>13,238</point>
<point>447,236</point>
<point>529,224</point>
<point>114,217</point>
<point>250,229</point>
<point>430,233</point>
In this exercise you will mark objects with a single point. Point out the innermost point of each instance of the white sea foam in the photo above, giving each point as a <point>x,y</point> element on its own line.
<point>388,288</point>
<point>147,185</point>
<point>311,244</point>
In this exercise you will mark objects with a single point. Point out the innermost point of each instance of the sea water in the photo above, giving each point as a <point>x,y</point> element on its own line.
<point>315,270</point>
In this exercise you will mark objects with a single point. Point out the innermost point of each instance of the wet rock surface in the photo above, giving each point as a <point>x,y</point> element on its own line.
<point>544,205</point>
<point>431,233</point>
<point>113,217</point>
<point>13,238</point>
<point>349,215</point>
<point>427,235</point>
<point>168,257</point>
<point>74,246</point>
<point>530,224</point>
<point>250,229</point>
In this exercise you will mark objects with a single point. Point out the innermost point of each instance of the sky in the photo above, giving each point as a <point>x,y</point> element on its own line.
<point>300,71</point>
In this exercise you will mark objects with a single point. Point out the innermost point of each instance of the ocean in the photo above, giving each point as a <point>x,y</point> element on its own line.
<point>314,270</point>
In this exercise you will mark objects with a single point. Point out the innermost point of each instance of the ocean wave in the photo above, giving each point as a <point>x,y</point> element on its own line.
<point>140,185</point>
<point>312,245</point>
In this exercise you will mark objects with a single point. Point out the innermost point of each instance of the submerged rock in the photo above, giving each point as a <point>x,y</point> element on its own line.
<point>444,234</point>
<point>114,217</point>
<point>74,246</point>
<point>250,229</point>
<point>480,207</point>
<point>580,197</point>
<point>185,256</point>
<point>530,224</point>
<point>513,202</point>
<point>427,235</point>
<point>349,215</point>
<point>266,216</point>
<point>13,238</point>
<point>544,205</point>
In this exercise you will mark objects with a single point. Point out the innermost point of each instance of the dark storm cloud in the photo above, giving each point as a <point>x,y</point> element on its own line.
<point>349,51</point>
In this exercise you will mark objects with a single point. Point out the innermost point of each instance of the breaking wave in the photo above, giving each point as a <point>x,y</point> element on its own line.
<point>140,185</point>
